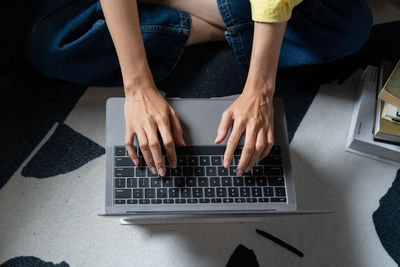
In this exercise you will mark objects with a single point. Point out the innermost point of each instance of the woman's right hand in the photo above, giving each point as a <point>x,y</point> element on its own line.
<point>146,113</point>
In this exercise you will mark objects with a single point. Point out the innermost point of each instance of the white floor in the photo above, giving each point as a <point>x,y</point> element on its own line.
<point>56,218</point>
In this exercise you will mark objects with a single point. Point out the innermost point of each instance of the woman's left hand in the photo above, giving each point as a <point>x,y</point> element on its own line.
<point>253,114</point>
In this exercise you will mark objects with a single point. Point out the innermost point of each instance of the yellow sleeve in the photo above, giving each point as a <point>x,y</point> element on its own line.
<point>272,10</point>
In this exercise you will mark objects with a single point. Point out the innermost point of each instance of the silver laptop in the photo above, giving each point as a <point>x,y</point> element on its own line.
<point>200,187</point>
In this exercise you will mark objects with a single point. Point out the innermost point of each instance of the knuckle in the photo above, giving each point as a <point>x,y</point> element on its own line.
<point>153,143</point>
<point>169,142</point>
<point>144,146</point>
<point>260,146</point>
<point>248,149</point>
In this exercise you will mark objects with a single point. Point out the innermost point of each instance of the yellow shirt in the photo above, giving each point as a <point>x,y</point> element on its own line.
<point>272,10</point>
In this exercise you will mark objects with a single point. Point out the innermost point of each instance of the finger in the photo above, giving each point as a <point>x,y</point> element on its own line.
<point>224,125</point>
<point>168,142</point>
<point>129,137</point>
<point>233,140</point>
<point>145,149</point>
<point>176,128</point>
<point>155,149</point>
<point>261,143</point>
<point>247,151</point>
<point>269,145</point>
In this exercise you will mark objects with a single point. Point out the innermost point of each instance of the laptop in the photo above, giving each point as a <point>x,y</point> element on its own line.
<point>200,188</point>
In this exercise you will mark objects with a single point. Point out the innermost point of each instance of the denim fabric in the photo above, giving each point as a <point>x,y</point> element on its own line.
<point>69,39</point>
<point>319,31</point>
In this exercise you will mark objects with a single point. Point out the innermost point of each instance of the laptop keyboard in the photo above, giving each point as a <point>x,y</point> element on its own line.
<point>199,178</point>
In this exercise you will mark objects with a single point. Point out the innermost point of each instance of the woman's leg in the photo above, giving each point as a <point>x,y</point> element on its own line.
<point>69,40</point>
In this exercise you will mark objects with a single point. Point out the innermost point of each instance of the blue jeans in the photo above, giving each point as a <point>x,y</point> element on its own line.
<point>69,39</point>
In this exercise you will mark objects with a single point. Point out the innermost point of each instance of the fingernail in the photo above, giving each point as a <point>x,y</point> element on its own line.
<point>161,171</point>
<point>248,169</point>
<point>153,170</point>
<point>226,163</point>
<point>173,165</point>
<point>239,172</point>
<point>136,161</point>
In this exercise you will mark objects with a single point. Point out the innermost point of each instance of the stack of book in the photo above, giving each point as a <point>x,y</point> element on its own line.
<point>375,126</point>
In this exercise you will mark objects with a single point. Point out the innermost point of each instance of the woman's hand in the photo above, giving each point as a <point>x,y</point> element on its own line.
<point>252,113</point>
<point>146,113</point>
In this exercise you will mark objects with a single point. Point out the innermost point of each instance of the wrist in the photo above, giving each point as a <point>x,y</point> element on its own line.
<point>137,84</point>
<point>260,86</point>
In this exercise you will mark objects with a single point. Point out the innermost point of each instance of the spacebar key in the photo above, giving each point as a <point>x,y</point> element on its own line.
<point>200,150</point>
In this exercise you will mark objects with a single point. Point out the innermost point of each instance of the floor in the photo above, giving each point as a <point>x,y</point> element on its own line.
<point>40,216</point>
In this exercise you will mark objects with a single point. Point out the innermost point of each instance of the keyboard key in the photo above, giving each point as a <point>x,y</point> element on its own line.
<point>216,160</point>
<point>232,170</point>
<point>182,161</point>
<point>276,181</point>
<point>132,182</point>
<point>180,201</point>
<point>251,200</point>
<point>240,200</point>
<point>261,181</point>
<point>247,173</point>
<point>216,200</point>
<point>280,192</point>
<point>143,182</point>
<point>176,172</point>
<point>256,192</point>
<point>211,171</point>
<point>271,160</point>
<point>161,193</point>
<point>222,171</point>
<point>245,192</point>
<point>193,161</point>
<point>132,201</point>
<point>185,192</point>
<point>123,193</point>
<point>124,172</point>
<point>141,172</point>
<point>167,181</point>
<point>226,181</point>
<point>203,181</point>
<point>249,181</point>
<point>156,201</point>
<point>209,192</point>
<point>119,151</point>
<point>204,160</point>
<point>123,161</point>
<point>276,150</point>
<point>228,200</point>
<point>179,182</point>
<point>119,182</point>
<point>167,171</point>
<point>187,171</point>
<point>233,192</point>
<point>258,171</point>
<point>191,181</point>
<point>199,171</point>
<point>173,192</point>
<point>150,193</point>
<point>204,200</point>
<point>278,199</point>
<point>268,191</point>
<point>236,160</point>
<point>119,201</point>
<point>192,200</point>
<point>263,199</point>
<point>268,170</point>
<point>214,181</point>
<point>197,192</point>
<point>150,174</point>
<point>221,192</point>
<point>168,201</point>
<point>137,193</point>
<point>144,201</point>
<point>155,182</point>
<point>238,181</point>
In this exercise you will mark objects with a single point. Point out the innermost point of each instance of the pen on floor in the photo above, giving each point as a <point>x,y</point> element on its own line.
<point>280,242</point>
